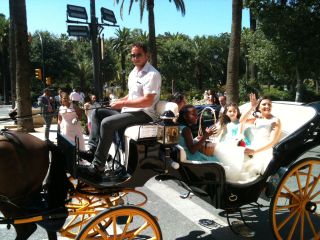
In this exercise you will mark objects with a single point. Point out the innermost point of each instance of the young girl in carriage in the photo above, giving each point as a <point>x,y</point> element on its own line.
<point>246,156</point>
<point>230,147</point>
<point>188,119</point>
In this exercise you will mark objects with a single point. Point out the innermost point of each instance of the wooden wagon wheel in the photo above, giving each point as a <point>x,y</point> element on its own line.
<point>295,208</point>
<point>83,206</point>
<point>126,222</point>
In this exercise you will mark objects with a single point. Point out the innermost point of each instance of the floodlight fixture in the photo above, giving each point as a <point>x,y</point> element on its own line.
<point>77,12</point>
<point>108,15</point>
<point>78,31</point>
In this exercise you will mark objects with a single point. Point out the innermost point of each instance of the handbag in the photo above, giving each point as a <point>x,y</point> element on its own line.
<point>208,146</point>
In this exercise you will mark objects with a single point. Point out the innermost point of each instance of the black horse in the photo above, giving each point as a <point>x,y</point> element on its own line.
<point>26,186</point>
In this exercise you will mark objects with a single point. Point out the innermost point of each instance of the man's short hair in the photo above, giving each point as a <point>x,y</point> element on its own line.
<point>141,45</point>
<point>46,90</point>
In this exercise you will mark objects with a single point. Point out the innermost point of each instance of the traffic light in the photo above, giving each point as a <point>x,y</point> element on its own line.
<point>38,73</point>
<point>48,80</point>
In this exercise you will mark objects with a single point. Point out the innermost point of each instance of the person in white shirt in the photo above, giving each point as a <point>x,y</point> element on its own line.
<point>223,103</point>
<point>137,107</point>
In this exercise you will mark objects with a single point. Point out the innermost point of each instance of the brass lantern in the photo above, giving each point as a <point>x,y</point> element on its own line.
<point>168,131</point>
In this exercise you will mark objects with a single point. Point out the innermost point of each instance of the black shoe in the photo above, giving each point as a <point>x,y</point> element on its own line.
<point>87,155</point>
<point>91,170</point>
<point>116,175</point>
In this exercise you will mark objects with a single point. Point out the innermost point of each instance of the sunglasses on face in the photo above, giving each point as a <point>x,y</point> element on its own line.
<point>138,55</point>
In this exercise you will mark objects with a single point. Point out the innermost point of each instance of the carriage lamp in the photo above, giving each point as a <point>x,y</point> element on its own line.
<point>168,135</point>
<point>168,131</point>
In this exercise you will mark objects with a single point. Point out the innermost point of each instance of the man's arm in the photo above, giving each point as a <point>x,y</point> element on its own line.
<point>141,102</point>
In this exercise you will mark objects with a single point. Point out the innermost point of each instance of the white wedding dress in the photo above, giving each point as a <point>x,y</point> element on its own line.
<point>259,134</point>
<point>238,166</point>
<point>229,154</point>
<point>69,127</point>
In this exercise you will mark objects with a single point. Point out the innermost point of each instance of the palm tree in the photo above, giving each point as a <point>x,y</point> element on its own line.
<point>4,58</point>
<point>22,73</point>
<point>149,5</point>
<point>121,44</point>
<point>232,85</point>
<point>84,70</point>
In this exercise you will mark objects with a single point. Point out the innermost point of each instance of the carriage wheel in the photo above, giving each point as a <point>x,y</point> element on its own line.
<point>83,207</point>
<point>80,210</point>
<point>295,208</point>
<point>127,222</point>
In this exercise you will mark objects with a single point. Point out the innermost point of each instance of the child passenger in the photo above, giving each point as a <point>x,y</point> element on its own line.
<point>230,149</point>
<point>187,119</point>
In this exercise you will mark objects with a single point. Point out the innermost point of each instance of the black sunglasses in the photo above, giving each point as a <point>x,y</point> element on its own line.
<point>138,55</point>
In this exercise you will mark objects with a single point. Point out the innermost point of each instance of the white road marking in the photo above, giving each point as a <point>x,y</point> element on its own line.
<point>184,206</point>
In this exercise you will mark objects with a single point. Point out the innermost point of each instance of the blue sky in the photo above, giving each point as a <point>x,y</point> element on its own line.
<point>203,17</point>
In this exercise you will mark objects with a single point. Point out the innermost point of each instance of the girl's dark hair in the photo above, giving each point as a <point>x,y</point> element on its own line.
<point>87,99</point>
<point>224,119</point>
<point>183,111</point>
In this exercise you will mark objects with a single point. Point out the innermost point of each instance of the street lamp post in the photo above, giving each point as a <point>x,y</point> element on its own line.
<point>95,30</point>
<point>95,49</point>
<point>42,60</point>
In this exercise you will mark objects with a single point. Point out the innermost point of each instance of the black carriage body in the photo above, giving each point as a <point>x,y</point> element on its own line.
<point>300,141</point>
<point>207,180</point>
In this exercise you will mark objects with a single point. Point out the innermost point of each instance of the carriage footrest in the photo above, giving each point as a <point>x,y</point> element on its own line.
<point>103,181</point>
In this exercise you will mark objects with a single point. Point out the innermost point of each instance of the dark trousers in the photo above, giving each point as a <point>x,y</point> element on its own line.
<point>105,122</point>
<point>47,120</point>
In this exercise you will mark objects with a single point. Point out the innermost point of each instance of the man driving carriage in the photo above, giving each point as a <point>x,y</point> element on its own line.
<point>144,84</point>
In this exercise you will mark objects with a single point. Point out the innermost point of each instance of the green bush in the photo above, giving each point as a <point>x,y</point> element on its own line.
<point>277,95</point>
<point>308,95</point>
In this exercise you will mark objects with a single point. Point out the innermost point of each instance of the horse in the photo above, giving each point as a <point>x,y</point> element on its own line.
<point>24,165</point>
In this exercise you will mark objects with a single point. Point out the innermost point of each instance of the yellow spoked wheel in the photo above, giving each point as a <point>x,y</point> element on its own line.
<point>82,207</point>
<point>126,222</point>
<point>295,208</point>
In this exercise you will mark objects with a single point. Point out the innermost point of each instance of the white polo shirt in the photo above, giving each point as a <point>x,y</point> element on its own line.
<point>143,82</point>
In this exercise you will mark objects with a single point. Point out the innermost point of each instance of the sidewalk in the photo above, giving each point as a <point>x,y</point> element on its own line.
<point>39,131</point>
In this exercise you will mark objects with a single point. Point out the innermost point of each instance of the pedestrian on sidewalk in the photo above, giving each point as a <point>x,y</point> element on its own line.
<point>69,120</point>
<point>46,102</point>
<point>88,112</point>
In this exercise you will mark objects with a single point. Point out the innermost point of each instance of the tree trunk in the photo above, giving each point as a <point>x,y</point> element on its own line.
<point>23,66</point>
<point>252,66</point>
<point>152,34</point>
<point>4,71</point>
<point>232,85</point>
<point>123,72</point>
<point>12,58</point>
<point>298,86</point>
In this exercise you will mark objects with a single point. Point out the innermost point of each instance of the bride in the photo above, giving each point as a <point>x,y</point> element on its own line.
<point>264,130</point>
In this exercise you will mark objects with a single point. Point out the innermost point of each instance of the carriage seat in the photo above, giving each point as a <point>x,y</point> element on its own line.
<point>149,130</point>
<point>143,132</point>
<point>292,117</point>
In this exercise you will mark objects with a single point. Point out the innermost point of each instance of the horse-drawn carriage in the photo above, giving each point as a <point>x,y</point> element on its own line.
<point>104,209</point>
